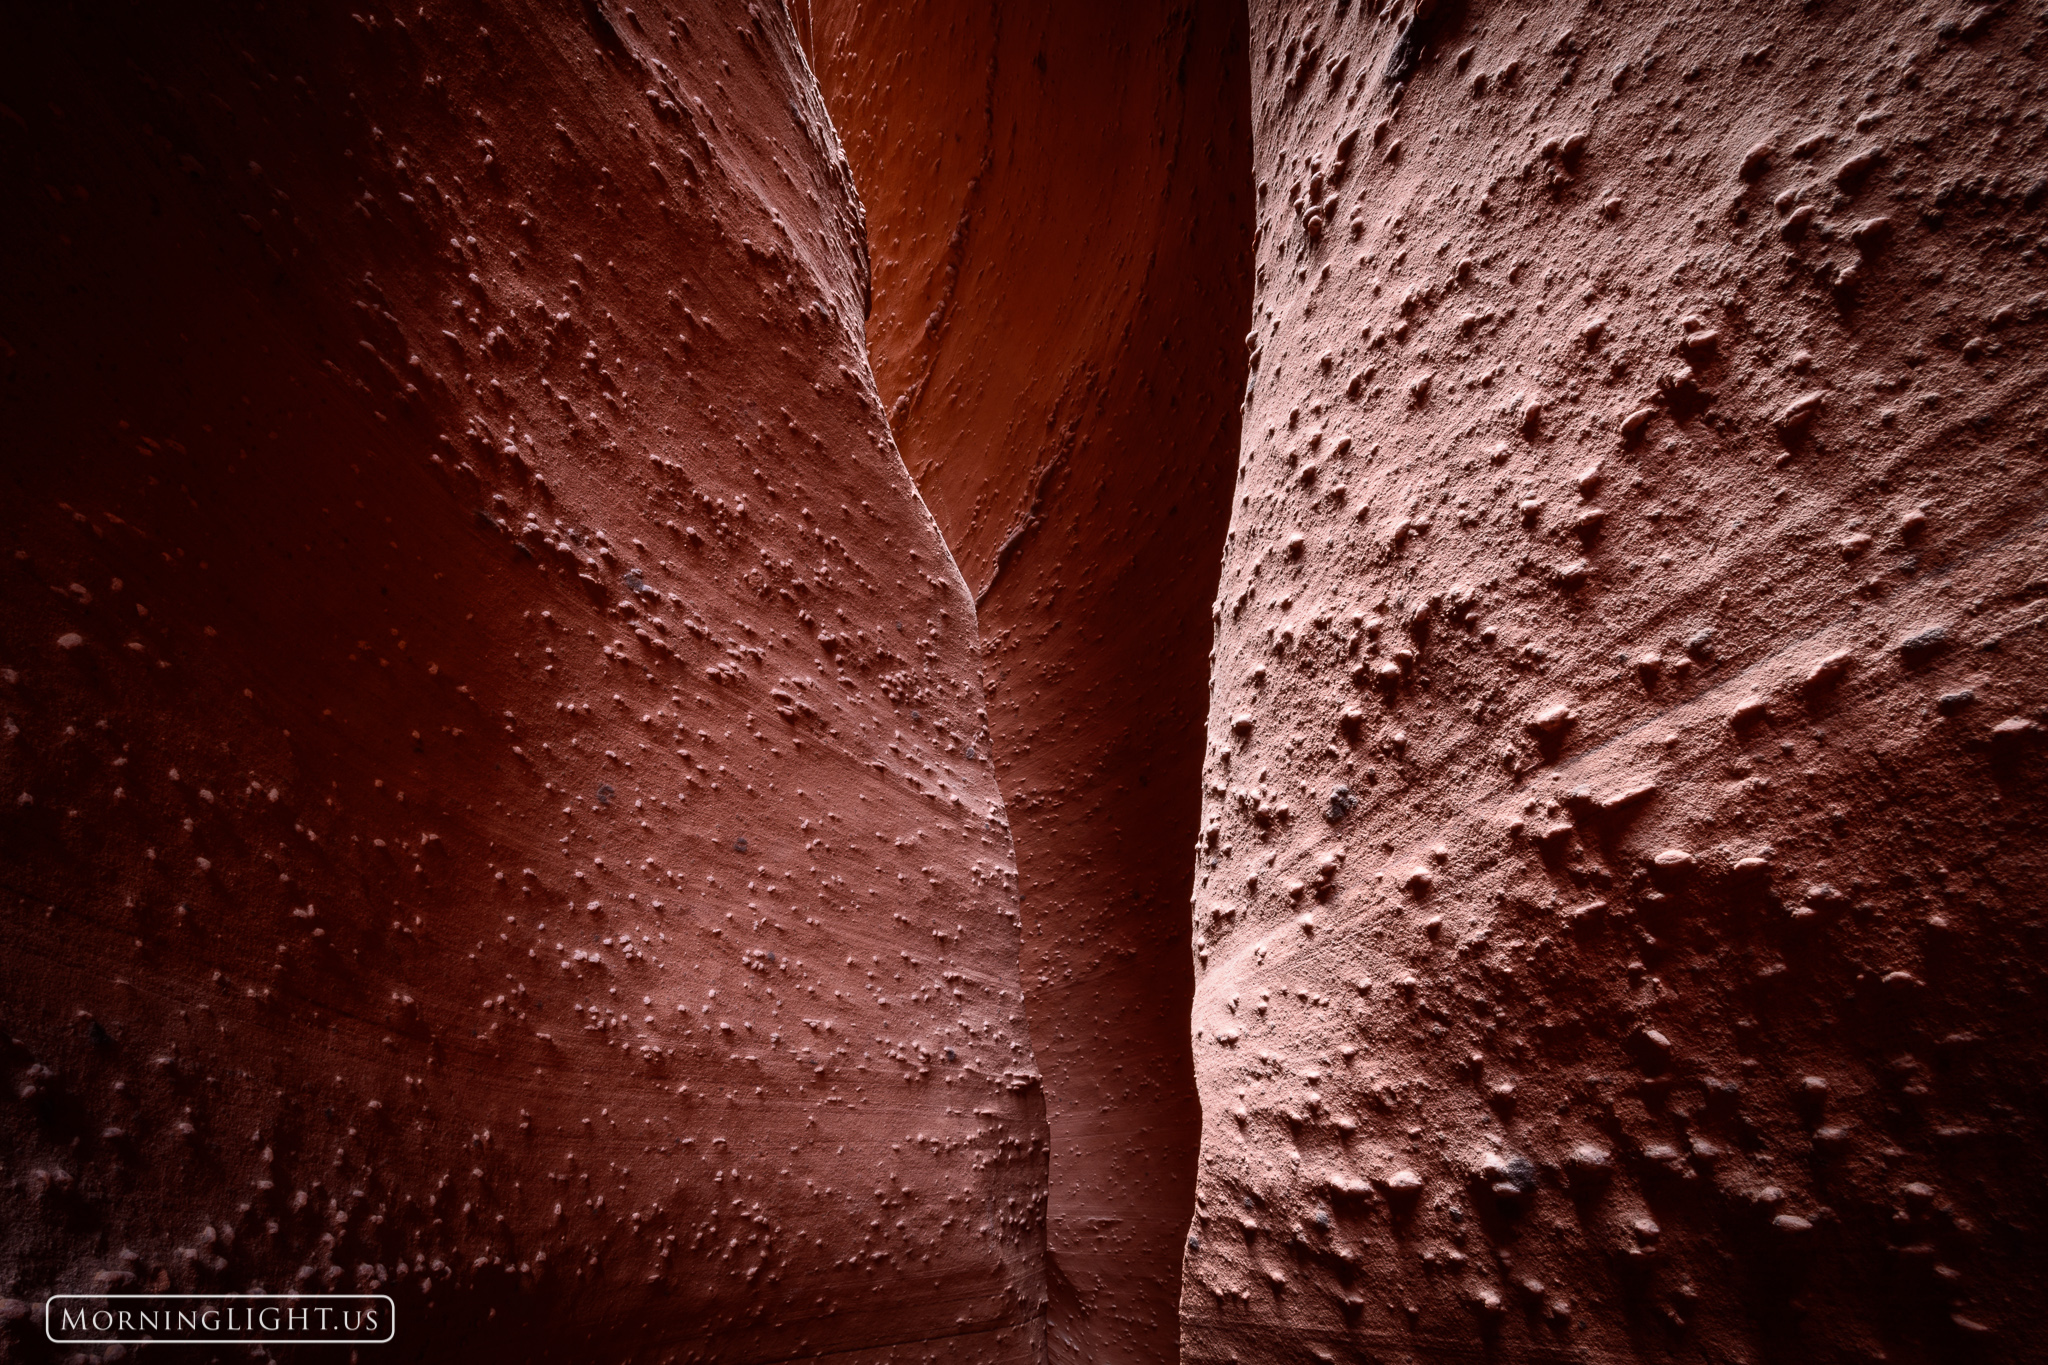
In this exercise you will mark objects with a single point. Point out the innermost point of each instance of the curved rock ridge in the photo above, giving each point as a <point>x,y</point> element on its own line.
<point>1618,916</point>
<point>1059,212</point>
<point>497,798</point>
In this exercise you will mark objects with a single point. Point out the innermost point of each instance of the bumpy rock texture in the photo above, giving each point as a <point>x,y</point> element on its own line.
<point>1620,903</point>
<point>1059,207</point>
<point>497,801</point>
<point>497,798</point>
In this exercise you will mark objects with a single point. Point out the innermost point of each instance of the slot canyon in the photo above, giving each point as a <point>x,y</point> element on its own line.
<point>1079,682</point>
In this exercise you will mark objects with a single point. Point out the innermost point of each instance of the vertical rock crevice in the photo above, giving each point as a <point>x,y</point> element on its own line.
<point>1059,217</point>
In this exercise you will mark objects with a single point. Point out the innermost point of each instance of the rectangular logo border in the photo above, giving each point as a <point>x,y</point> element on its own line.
<point>390,1304</point>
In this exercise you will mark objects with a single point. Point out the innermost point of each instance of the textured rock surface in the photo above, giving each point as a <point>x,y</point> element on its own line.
<point>496,798</point>
<point>497,805</point>
<point>1620,914</point>
<point>1058,201</point>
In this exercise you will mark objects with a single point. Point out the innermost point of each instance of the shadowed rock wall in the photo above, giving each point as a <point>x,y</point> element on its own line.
<point>1058,208</point>
<point>1619,916</point>
<point>497,798</point>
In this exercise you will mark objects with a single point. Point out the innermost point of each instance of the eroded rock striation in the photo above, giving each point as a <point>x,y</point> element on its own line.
<point>1618,908</point>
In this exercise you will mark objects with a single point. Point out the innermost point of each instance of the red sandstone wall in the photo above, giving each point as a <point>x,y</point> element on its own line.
<point>497,805</point>
<point>1620,923</point>
<point>1058,211</point>
<point>496,787</point>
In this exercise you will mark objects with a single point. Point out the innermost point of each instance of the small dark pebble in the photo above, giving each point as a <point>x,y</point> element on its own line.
<point>1925,645</point>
